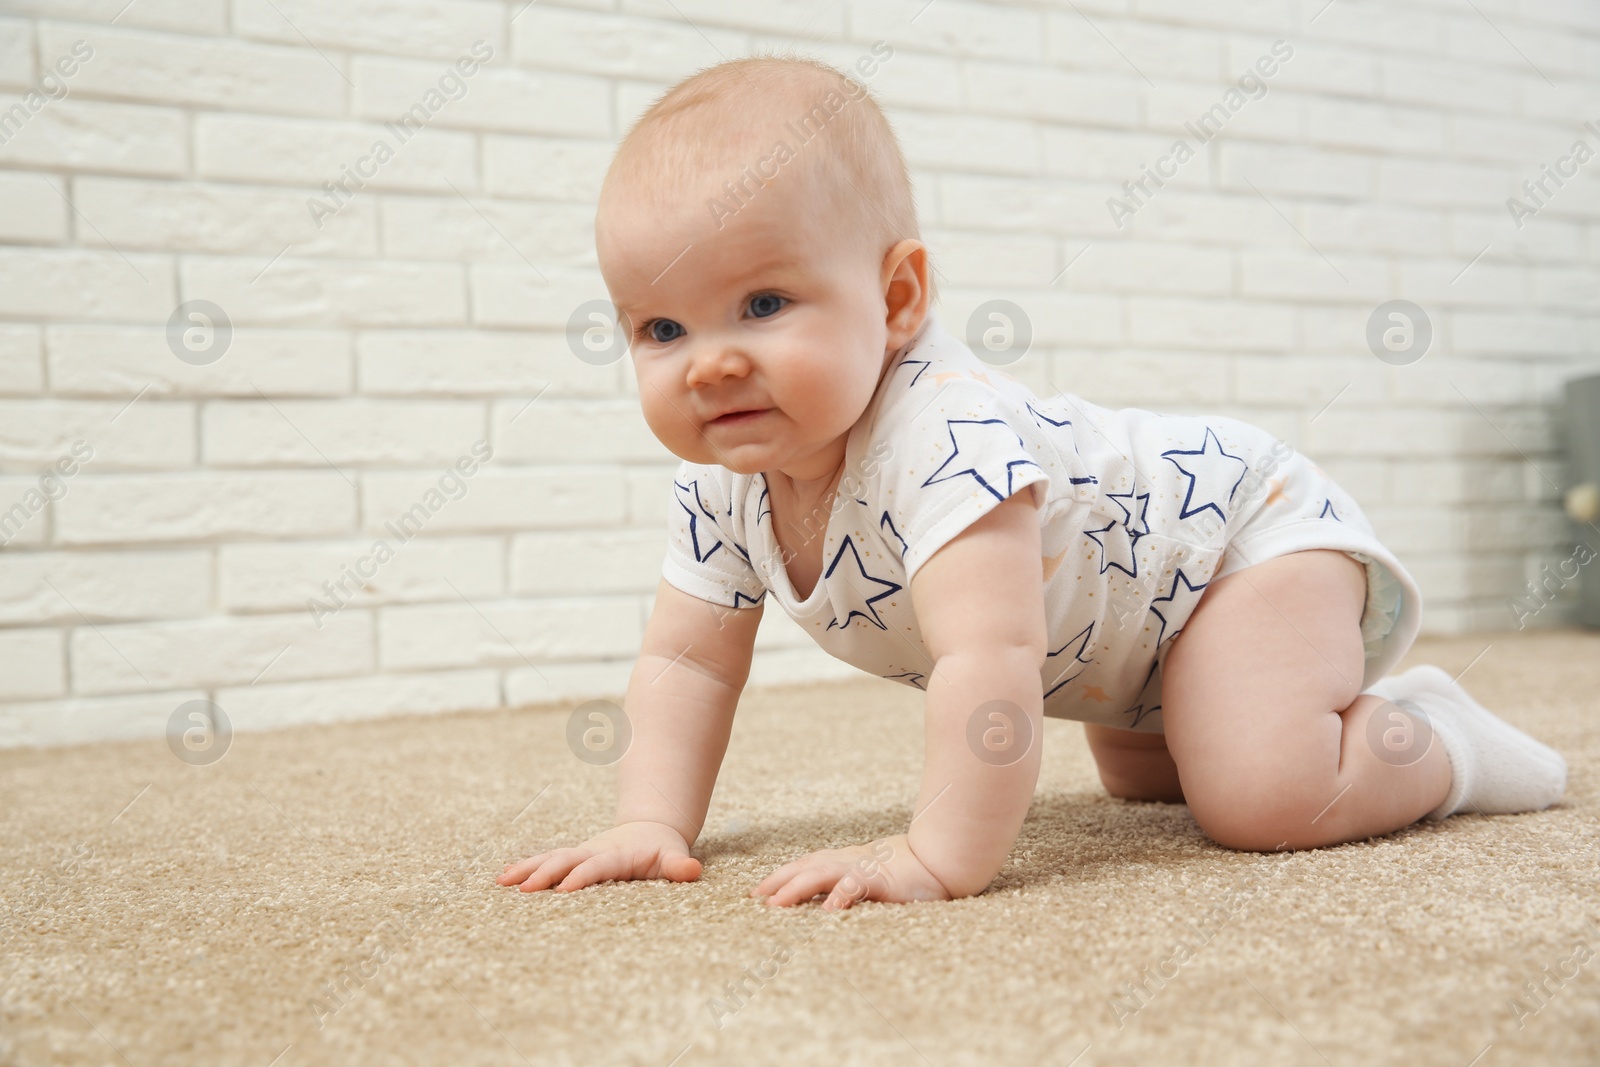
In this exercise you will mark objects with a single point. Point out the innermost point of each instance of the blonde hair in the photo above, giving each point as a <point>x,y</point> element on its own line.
<point>727,110</point>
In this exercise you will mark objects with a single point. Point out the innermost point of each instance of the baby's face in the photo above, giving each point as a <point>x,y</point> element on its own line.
<point>756,345</point>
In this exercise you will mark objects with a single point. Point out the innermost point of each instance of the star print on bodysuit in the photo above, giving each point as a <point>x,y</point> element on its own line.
<point>984,456</point>
<point>1082,641</point>
<point>709,530</point>
<point>871,613</point>
<point>1181,603</point>
<point>1216,474</point>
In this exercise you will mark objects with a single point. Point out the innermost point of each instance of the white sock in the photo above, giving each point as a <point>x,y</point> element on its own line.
<point>1496,769</point>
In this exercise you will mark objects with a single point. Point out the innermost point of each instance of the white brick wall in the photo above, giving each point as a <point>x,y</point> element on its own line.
<point>374,346</point>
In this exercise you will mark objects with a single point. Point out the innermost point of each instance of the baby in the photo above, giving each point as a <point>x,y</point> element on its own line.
<point>1213,607</point>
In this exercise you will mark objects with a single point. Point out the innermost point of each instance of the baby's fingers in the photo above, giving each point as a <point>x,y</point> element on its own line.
<point>603,867</point>
<point>803,886</point>
<point>518,872</point>
<point>555,867</point>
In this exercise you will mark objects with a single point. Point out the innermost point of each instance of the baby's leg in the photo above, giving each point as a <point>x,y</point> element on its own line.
<point>1134,765</point>
<point>1264,716</point>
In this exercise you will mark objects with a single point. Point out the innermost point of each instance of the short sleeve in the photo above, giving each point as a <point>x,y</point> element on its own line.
<point>956,455</point>
<point>703,558</point>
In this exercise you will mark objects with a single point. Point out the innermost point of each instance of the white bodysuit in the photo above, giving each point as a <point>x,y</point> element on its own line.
<point>1138,512</point>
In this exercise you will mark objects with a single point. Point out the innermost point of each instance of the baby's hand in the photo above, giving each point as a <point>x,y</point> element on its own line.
<point>631,850</point>
<point>884,870</point>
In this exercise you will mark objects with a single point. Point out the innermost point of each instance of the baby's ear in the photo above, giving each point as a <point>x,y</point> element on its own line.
<point>905,290</point>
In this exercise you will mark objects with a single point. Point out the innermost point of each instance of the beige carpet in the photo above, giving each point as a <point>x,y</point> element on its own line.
<point>208,921</point>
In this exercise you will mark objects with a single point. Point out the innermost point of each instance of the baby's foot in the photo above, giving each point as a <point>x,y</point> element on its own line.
<point>1496,768</point>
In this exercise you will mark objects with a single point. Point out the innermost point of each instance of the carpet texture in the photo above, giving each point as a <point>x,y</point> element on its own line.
<point>325,895</point>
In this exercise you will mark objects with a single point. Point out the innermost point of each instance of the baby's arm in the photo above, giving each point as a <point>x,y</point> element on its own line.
<point>979,602</point>
<point>685,686</point>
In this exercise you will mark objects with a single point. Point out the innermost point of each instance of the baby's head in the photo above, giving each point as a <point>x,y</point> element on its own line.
<point>757,233</point>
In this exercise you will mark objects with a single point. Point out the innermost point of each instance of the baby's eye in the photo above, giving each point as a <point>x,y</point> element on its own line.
<point>765,304</point>
<point>662,330</point>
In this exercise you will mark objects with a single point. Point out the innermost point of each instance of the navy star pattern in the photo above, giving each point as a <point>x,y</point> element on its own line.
<point>1140,711</point>
<point>920,364</point>
<point>1045,421</point>
<point>711,536</point>
<point>1082,639</point>
<point>1214,474</point>
<point>1327,510</point>
<point>886,521</point>
<point>912,678</point>
<point>988,442</point>
<point>1181,603</point>
<point>1120,540</point>
<point>888,588</point>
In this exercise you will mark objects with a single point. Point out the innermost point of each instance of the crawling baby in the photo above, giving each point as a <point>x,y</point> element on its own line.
<point>1209,603</point>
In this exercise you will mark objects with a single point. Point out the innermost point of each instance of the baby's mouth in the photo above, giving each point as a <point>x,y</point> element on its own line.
<point>739,418</point>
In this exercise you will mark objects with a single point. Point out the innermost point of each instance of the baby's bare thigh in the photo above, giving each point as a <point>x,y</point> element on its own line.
<point>1133,764</point>
<point>1252,687</point>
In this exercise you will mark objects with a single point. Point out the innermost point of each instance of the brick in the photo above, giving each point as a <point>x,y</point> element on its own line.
<point>1381,127</point>
<point>31,212</point>
<point>357,154</point>
<point>16,54</point>
<point>1309,383</point>
<point>310,292</point>
<point>99,136</point>
<point>200,506</point>
<point>280,577</point>
<point>270,707</point>
<point>508,632</point>
<point>1196,111</point>
<point>81,721</point>
<point>515,295</point>
<point>1254,15</point>
<point>550,38</point>
<point>1317,66</point>
<point>956,27</point>
<point>1125,378</point>
<point>567,683</point>
<point>31,664</point>
<point>211,217</point>
<point>479,230</point>
<point>979,143</point>
<point>1056,96</point>
<point>73,284</point>
<point>545,168</point>
<point>1448,183</point>
<point>1025,205</point>
<point>122,360</point>
<point>167,68</point>
<point>1126,47</point>
<point>1210,324</point>
<point>1373,227</point>
<point>1139,267</point>
<point>1057,318</point>
<point>649,495</point>
<point>120,585</point>
<point>206,653</point>
<point>968,258</point>
<point>1111,156</point>
<point>496,96</point>
<point>1525,334</point>
<point>184,16</point>
<point>1291,169</point>
<point>24,512</point>
<point>314,433</point>
<point>479,362</point>
<point>1448,282</point>
<point>575,431</point>
<point>795,18</point>
<point>445,29</point>
<point>1449,84</point>
<point>1307,274</point>
<point>509,500</point>
<point>21,368</point>
<point>797,666</point>
<point>1454,482</point>
<point>146,434</point>
<point>582,562</point>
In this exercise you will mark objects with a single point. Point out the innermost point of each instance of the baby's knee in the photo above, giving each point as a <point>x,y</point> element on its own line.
<point>1256,815</point>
